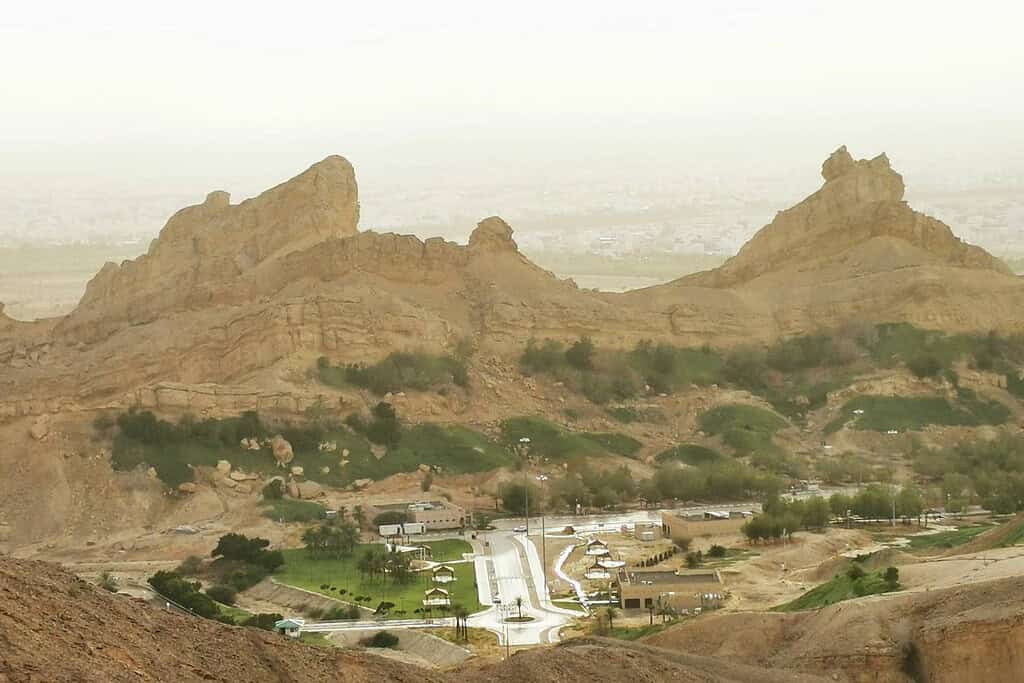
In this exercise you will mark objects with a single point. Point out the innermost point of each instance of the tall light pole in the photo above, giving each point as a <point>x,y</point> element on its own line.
<point>522,449</point>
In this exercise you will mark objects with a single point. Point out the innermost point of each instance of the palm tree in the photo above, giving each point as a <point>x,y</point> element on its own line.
<point>359,515</point>
<point>610,613</point>
<point>519,606</point>
<point>461,622</point>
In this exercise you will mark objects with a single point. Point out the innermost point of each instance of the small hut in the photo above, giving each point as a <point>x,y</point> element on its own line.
<point>437,597</point>
<point>443,574</point>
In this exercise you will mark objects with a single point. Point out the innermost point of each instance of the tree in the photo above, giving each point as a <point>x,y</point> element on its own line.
<point>855,572</point>
<point>461,615</point>
<point>223,594</point>
<point>610,613</point>
<point>359,515</point>
<point>519,605</point>
<point>892,577</point>
<point>427,482</point>
<point>682,542</point>
<point>909,502</point>
<point>514,494</point>
<point>581,354</point>
<point>816,513</point>
<point>694,560</point>
<point>716,551</point>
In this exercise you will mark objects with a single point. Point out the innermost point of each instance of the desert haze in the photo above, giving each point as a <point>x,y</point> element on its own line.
<point>573,342</point>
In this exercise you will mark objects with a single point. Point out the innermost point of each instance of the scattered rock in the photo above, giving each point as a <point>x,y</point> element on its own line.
<point>282,450</point>
<point>40,428</point>
<point>187,487</point>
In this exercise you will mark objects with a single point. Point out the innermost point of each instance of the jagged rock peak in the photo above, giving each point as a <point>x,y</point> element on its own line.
<point>863,180</point>
<point>492,234</point>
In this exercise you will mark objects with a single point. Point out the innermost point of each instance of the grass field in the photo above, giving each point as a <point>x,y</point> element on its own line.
<point>841,588</point>
<point>291,510</point>
<point>301,571</point>
<point>883,413</point>
<point>946,539</point>
<point>637,632</point>
<point>550,440</point>
<point>745,428</point>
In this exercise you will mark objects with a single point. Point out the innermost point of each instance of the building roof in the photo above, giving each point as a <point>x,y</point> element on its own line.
<point>290,623</point>
<point>663,578</point>
<point>435,591</point>
<point>597,541</point>
<point>444,568</point>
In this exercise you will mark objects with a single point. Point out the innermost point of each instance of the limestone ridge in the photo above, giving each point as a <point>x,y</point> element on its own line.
<point>206,245</point>
<point>861,201</point>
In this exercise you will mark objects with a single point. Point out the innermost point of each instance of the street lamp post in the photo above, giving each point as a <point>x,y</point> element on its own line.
<point>522,449</point>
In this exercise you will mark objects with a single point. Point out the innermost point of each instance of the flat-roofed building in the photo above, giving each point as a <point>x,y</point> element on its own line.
<point>434,515</point>
<point>682,524</point>
<point>682,590</point>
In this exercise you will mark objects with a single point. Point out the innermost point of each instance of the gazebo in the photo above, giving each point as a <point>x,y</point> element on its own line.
<point>437,597</point>
<point>289,627</point>
<point>444,574</point>
<point>597,572</point>
<point>597,547</point>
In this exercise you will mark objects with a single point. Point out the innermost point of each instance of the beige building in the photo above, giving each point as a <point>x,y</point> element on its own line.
<point>681,590</point>
<point>680,524</point>
<point>434,515</point>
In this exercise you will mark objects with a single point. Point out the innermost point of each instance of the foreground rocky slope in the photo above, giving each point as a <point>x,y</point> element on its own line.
<point>227,291</point>
<point>971,632</point>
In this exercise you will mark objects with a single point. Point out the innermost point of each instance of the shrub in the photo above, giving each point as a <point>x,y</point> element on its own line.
<point>581,354</point>
<point>274,490</point>
<point>892,577</point>
<point>717,551</point>
<point>223,594</point>
<point>315,612</point>
<point>855,572</point>
<point>263,620</point>
<point>694,560</point>
<point>190,566</point>
<point>925,365</point>
<point>427,482</point>
<point>380,639</point>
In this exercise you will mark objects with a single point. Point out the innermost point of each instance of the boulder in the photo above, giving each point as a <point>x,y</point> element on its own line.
<point>293,489</point>
<point>187,487</point>
<point>227,482</point>
<point>283,453</point>
<point>238,475</point>
<point>309,489</point>
<point>152,473</point>
<point>244,489</point>
<point>298,471</point>
<point>361,483</point>
<point>40,428</point>
<point>325,470</point>
<point>423,468</point>
<point>223,466</point>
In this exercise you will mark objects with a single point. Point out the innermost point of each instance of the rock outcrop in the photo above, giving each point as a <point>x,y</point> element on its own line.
<point>861,201</point>
<point>230,291</point>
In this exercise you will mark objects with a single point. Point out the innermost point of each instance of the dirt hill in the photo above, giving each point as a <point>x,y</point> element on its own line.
<point>970,632</point>
<point>57,628</point>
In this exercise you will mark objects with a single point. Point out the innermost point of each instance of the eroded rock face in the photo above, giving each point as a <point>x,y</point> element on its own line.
<point>860,201</point>
<point>230,291</point>
<point>214,242</point>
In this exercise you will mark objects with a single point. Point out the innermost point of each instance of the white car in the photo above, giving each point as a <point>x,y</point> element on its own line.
<point>519,530</point>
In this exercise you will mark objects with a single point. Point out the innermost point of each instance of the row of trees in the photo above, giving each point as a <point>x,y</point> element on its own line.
<point>376,562</point>
<point>331,540</point>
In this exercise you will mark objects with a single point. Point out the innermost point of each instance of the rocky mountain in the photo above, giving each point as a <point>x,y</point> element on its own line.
<point>229,291</point>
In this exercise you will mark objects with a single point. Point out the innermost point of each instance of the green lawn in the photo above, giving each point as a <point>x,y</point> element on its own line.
<point>301,571</point>
<point>236,613</point>
<point>883,413</point>
<point>553,441</point>
<point>291,510</point>
<point>745,428</point>
<point>838,589</point>
<point>946,539</point>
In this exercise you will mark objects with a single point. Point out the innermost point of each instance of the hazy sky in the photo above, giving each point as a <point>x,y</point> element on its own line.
<point>251,92</point>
